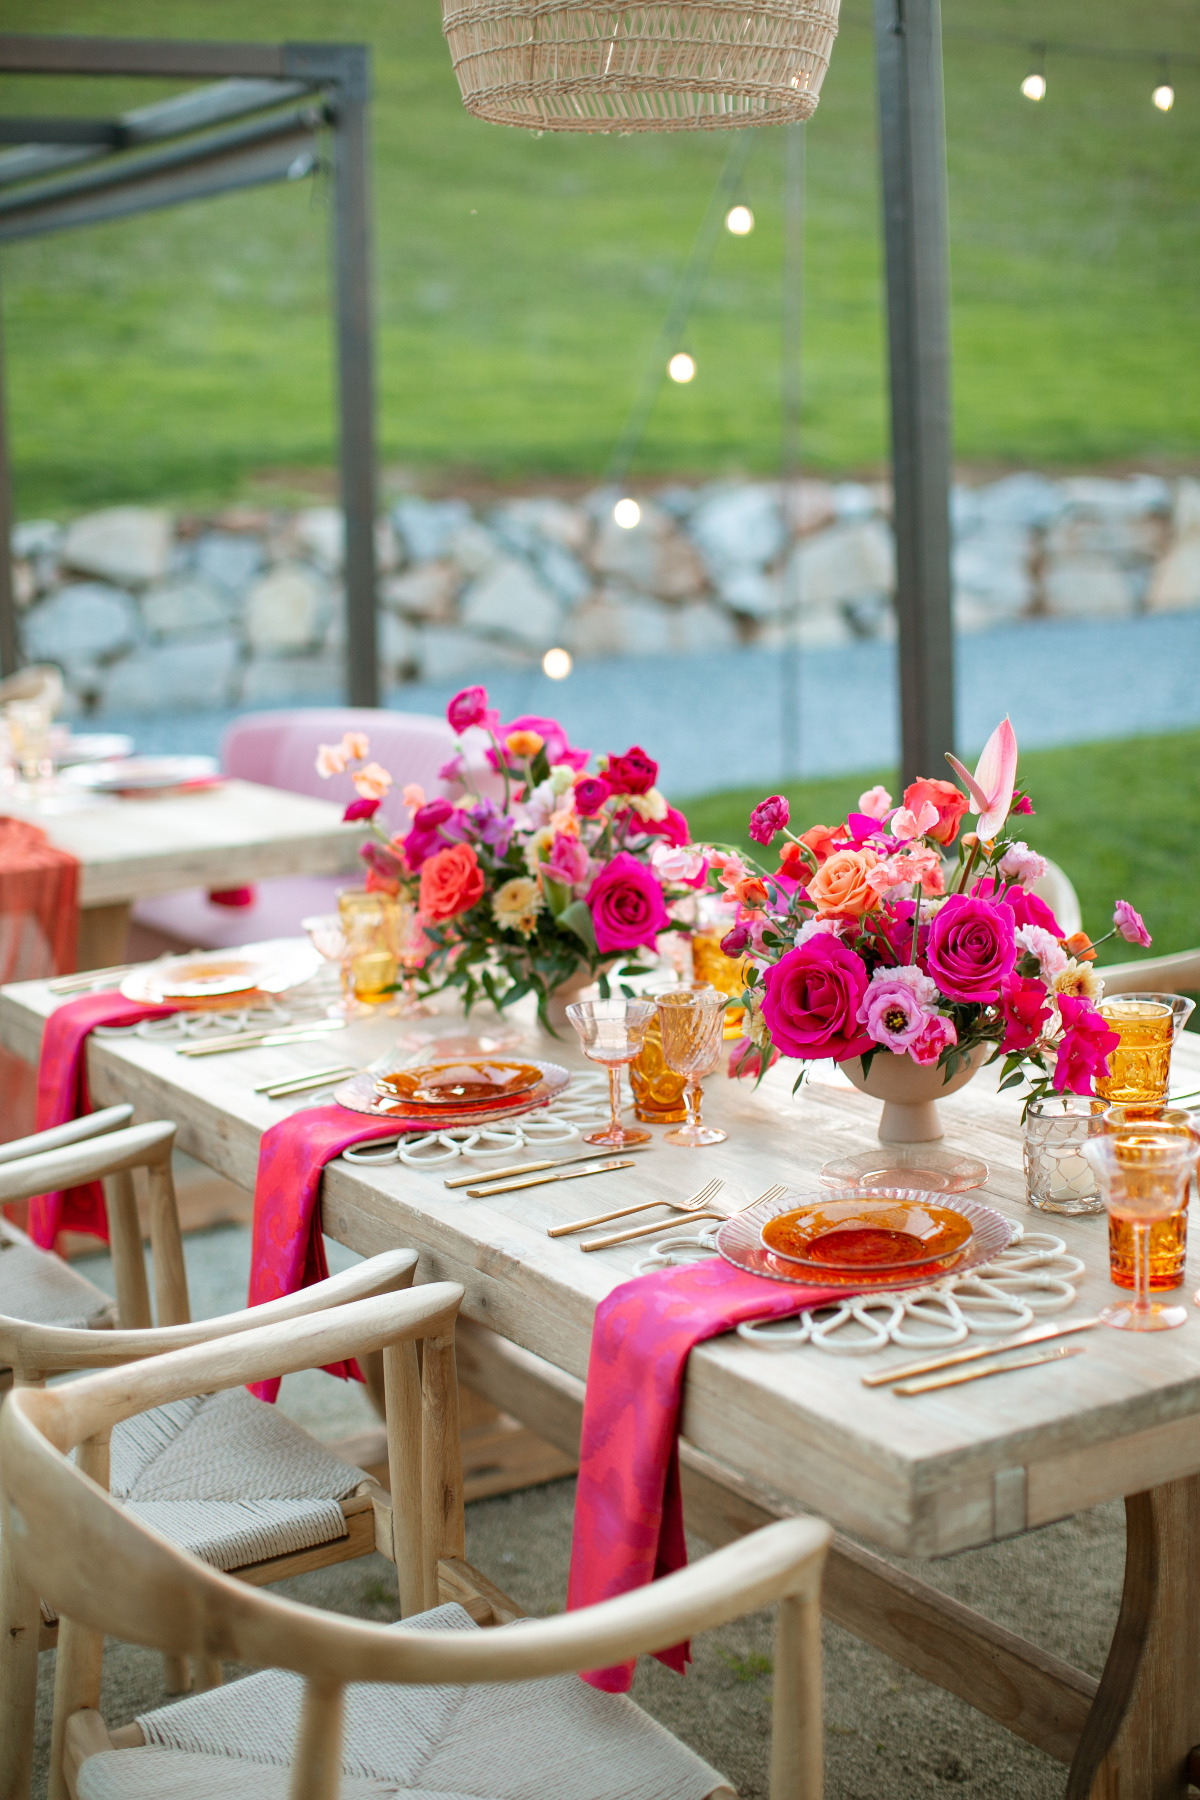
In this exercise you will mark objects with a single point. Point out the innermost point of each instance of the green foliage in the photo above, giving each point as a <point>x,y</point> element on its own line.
<point>521,281</point>
<point>751,1667</point>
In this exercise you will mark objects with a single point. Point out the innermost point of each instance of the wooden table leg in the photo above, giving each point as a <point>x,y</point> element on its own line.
<point>103,935</point>
<point>1146,1714</point>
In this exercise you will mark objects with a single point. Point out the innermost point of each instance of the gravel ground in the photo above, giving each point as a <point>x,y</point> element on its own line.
<point>887,1731</point>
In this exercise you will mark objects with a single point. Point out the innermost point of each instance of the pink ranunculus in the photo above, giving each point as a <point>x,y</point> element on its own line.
<point>769,816</point>
<point>971,948</point>
<point>555,741</point>
<point>897,1007</point>
<point>1084,1048</point>
<point>633,773</point>
<point>811,998</point>
<point>591,791</point>
<point>627,905</point>
<point>568,860</point>
<point>1130,925</point>
<point>470,707</point>
<point>1026,1008</point>
<point>672,826</point>
<point>939,1034</point>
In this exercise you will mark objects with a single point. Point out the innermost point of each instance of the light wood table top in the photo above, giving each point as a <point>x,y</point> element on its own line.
<point>224,836</point>
<point>925,1476</point>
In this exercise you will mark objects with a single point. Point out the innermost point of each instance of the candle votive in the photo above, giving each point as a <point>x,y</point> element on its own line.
<point>1058,1177</point>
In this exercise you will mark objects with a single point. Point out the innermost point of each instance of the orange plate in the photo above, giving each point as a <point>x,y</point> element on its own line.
<point>866,1235</point>
<point>477,1081</point>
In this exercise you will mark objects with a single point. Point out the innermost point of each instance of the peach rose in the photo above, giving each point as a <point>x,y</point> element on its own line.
<point>950,801</point>
<point>451,881</point>
<point>840,885</point>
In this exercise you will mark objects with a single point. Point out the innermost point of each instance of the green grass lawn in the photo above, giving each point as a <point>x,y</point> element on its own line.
<point>521,281</point>
<point>1119,818</point>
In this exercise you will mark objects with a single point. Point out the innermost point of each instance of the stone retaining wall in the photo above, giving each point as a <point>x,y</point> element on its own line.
<point>148,611</point>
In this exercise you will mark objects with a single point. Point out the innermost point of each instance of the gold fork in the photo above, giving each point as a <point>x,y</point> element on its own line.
<point>708,1192</point>
<point>639,1231</point>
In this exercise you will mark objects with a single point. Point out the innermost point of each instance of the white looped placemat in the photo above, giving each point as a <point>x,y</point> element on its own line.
<point>582,1106</point>
<point>1033,1277</point>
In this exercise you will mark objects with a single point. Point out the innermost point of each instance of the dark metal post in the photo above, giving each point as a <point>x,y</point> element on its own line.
<point>791,408</point>
<point>356,369</point>
<point>912,132</point>
<point>8,611</point>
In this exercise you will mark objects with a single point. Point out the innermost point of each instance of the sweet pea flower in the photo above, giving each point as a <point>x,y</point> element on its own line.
<point>1020,863</point>
<point>907,823</point>
<point>876,802</point>
<point>355,746</point>
<point>896,876</point>
<point>730,869</point>
<point>1033,941</point>
<point>769,817</point>
<point>1084,1048</point>
<point>373,782</point>
<point>1130,925</point>
<point>413,796</point>
<point>331,760</point>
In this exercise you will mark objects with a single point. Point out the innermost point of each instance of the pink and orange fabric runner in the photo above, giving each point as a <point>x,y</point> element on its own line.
<point>39,904</point>
<point>628,1504</point>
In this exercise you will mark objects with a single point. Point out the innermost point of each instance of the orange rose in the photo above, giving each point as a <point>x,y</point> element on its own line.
<point>751,891</point>
<point>840,884</point>
<point>820,839</point>
<point>950,801</point>
<point>1079,945</point>
<point>451,881</point>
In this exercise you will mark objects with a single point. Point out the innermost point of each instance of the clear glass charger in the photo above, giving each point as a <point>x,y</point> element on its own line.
<point>925,1166</point>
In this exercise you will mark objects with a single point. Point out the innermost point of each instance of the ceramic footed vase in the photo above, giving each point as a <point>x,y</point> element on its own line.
<point>579,987</point>
<point>910,1092</point>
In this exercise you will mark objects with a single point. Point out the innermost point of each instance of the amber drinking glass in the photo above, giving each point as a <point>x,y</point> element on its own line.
<point>658,1092</point>
<point>1144,1171</point>
<point>1140,1066</point>
<point>691,1021</point>
<point>371,923</point>
<point>1167,1245</point>
<point>612,1032</point>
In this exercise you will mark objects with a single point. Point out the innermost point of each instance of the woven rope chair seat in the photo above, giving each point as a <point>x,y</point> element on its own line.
<point>503,1741</point>
<point>45,1290</point>
<point>679,65</point>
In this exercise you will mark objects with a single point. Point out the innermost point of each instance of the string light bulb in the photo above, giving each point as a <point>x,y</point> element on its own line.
<point>557,664</point>
<point>739,220</point>
<point>626,514</point>
<point>681,368</point>
<point>1034,86</point>
<point>1164,96</point>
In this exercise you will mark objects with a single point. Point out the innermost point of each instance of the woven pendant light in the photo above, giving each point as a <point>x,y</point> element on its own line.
<point>694,65</point>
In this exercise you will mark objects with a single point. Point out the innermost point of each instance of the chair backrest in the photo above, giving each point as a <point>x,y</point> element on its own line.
<point>91,1125</point>
<point>1056,888</point>
<point>1178,973</point>
<point>100,1568</point>
<point>280,749</point>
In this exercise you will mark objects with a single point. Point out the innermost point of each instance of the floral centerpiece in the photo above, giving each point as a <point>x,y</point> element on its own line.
<point>896,933</point>
<point>561,874</point>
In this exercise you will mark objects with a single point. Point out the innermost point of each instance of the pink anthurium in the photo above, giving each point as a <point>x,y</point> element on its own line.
<point>991,786</point>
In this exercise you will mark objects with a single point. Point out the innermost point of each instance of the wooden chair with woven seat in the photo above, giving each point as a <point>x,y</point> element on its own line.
<point>230,1477</point>
<point>429,1707</point>
<point>1175,974</point>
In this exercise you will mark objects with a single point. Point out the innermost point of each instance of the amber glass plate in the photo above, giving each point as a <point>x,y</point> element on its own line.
<point>866,1234</point>
<point>473,1082</point>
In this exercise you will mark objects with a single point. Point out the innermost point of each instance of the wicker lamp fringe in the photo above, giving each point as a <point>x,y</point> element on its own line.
<point>697,65</point>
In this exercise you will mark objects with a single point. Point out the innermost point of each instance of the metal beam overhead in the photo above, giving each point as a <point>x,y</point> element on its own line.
<point>912,131</point>
<point>69,172</point>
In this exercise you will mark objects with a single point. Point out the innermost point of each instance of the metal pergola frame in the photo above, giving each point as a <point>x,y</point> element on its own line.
<point>259,124</point>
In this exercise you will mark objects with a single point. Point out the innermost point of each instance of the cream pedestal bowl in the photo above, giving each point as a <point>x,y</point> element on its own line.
<point>910,1092</point>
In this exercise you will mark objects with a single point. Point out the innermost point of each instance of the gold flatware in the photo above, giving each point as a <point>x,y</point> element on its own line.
<point>958,1376</point>
<point>529,1168</point>
<point>259,1040</point>
<point>1036,1334</point>
<point>510,1187</point>
<point>709,1192</point>
<point>276,1090</point>
<point>85,978</point>
<point>640,1231</point>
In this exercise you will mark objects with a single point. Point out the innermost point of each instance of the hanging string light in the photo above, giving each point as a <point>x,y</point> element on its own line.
<point>739,220</point>
<point>681,367</point>
<point>1034,85</point>
<point>1164,94</point>
<point>627,513</point>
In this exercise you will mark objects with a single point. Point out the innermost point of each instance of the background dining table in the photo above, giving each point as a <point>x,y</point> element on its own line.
<point>767,1433</point>
<point>228,835</point>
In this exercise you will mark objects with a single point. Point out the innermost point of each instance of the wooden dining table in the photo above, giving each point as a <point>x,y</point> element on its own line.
<point>225,836</point>
<point>767,1433</point>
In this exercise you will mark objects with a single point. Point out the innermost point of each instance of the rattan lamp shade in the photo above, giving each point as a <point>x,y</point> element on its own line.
<point>695,65</point>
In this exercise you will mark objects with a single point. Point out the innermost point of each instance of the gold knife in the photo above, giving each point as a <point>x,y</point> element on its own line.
<point>956,1376</point>
<point>282,1086</point>
<point>1034,1334</point>
<point>509,1187</point>
<point>528,1168</point>
<point>258,1040</point>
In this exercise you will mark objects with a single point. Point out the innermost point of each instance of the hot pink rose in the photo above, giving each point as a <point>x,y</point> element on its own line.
<point>811,998</point>
<point>633,773</point>
<point>591,791</point>
<point>627,905</point>
<point>470,707</point>
<point>673,826</point>
<point>1026,908</point>
<point>971,948</point>
<point>1084,1048</point>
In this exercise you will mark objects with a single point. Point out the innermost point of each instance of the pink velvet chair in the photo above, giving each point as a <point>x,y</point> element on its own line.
<point>279,749</point>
